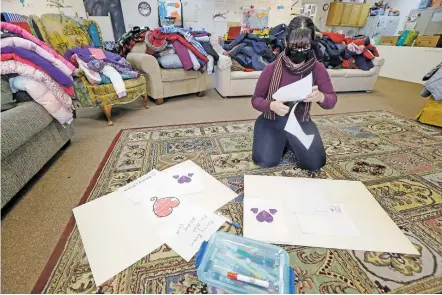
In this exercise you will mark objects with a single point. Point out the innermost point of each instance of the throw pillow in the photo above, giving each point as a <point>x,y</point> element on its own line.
<point>171,61</point>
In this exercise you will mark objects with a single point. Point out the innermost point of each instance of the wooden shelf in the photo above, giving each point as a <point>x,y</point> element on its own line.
<point>348,14</point>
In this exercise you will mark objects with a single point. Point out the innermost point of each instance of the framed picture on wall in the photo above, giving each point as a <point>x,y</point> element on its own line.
<point>170,12</point>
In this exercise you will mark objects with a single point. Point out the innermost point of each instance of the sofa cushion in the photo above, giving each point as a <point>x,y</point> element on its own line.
<point>170,61</point>
<point>245,75</point>
<point>21,123</point>
<point>169,75</point>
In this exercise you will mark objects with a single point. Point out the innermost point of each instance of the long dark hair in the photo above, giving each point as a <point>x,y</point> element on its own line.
<point>300,31</point>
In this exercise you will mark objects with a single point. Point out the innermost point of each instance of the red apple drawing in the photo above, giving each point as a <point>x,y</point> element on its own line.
<point>164,207</point>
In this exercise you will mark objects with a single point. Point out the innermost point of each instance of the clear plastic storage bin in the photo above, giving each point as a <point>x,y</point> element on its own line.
<point>239,265</point>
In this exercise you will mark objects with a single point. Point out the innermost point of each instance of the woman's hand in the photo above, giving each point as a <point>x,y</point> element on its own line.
<point>279,108</point>
<point>315,96</point>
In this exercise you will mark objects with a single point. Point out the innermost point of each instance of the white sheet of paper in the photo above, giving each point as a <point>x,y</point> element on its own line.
<point>377,231</point>
<point>309,198</point>
<point>181,181</point>
<point>116,232</point>
<point>146,187</point>
<point>190,229</point>
<point>335,221</point>
<point>292,126</point>
<point>265,220</point>
<point>296,91</point>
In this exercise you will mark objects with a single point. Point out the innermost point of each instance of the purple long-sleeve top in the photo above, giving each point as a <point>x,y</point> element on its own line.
<point>320,76</point>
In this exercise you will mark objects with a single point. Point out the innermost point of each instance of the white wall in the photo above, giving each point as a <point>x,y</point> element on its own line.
<point>39,7</point>
<point>408,63</point>
<point>405,6</point>
<point>198,14</point>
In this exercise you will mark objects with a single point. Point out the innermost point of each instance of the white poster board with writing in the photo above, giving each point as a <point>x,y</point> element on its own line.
<point>375,229</point>
<point>116,232</point>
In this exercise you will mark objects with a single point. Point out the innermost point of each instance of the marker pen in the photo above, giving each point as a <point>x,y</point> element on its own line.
<point>247,279</point>
<point>241,264</point>
<point>254,258</point>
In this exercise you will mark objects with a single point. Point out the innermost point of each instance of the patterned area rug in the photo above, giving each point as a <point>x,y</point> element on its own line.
<point>399,160</point>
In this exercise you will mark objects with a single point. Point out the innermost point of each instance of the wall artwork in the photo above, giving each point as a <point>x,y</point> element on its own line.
<point>170,12</point>
<point>103,8</point>
<point>255,18</point>
<point>22,3</point>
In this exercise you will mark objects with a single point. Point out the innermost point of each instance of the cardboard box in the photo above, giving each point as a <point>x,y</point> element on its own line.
<point>427,41</point>
<point>436,3</point>
<point>389,40</point>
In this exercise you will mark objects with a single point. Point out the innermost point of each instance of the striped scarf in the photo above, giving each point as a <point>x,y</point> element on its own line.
<point>303,109</point>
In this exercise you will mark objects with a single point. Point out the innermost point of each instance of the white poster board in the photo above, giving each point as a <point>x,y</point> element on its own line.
<point>377,231</point>
<point>116,232</point>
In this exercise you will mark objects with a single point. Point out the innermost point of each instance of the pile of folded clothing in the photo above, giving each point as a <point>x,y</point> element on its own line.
<point>339,51</point>
<point>36,72</point>
<point>252,52</point>
<point>173,47</point>
<point>125,44</point>
<point>180,48</point>
<point>102,67</point>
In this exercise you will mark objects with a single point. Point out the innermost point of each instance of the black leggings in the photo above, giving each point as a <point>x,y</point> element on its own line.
<point>270,140</point>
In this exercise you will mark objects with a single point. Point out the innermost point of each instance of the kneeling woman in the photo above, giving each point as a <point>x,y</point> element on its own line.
<point>270,139</point>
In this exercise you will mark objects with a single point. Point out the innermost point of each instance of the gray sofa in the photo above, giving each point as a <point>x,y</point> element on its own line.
<point>29,139</point>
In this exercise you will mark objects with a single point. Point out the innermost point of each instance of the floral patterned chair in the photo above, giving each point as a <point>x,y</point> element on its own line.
<point>62,32</point>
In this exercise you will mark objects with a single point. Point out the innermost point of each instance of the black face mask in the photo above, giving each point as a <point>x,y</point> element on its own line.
<point>298,57</point>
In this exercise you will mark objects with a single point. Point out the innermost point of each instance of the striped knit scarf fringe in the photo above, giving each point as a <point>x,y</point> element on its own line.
<point>305,69</point>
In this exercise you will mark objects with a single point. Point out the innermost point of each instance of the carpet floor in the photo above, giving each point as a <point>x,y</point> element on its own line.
<point>35,219</point>
<point>398,160</point>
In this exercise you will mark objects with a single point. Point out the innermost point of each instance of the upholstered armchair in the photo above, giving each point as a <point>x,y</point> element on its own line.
<point>161,82</point>
<point>62,33</point>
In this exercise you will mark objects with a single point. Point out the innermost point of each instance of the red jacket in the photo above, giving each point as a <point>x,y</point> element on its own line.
<point>335,37</point>
<point>157,38</point>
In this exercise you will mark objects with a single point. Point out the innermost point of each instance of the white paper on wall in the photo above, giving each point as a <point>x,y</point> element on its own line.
<point>233,16</point>
<point>220,4</point>
<point>220,27</point>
